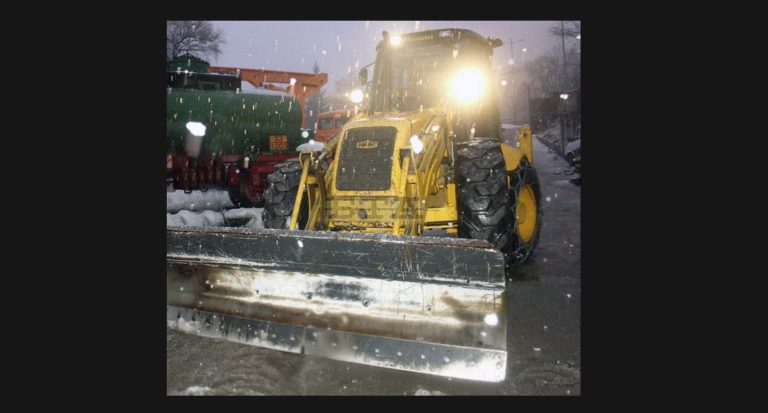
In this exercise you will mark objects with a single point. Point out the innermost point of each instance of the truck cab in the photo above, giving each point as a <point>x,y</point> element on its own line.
<point>330,123</point>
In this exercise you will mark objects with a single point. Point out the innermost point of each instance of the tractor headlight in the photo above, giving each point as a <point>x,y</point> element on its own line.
<point>356,96</point>
<point>305,134</point>
<point>394,40</point>
<point>468,85</point>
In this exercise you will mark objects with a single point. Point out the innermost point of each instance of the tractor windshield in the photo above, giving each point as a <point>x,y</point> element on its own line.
<point>416,72</point>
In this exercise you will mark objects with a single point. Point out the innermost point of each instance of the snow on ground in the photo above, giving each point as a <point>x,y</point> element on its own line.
<point>511,126</point>
<point>213,199</point>
<point>196,390</point>
<point>423,392</point>
<point>247,217</point>
<point>310,146</point>
<point>550,134</point>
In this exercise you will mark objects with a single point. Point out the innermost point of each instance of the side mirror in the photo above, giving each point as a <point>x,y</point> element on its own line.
<point>494,43</point>
<point>363,77</point>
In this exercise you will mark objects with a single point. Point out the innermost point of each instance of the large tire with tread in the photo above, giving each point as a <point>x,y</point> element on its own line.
<point>487,206</point>
<point>524,190</point>
<point>280,196</point>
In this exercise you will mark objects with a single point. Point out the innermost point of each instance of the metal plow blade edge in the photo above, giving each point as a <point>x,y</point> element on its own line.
<point>422,304</point>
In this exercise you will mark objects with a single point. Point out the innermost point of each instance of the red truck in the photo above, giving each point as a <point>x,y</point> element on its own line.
<point>329,124</point>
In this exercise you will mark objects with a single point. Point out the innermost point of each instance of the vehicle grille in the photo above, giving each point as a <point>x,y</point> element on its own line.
<point>365,163</point>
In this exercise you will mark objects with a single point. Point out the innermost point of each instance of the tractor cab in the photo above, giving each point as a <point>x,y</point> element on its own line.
<point>418,71</point>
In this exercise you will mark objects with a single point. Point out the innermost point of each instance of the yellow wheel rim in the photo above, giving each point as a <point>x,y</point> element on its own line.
<point>525,213</point>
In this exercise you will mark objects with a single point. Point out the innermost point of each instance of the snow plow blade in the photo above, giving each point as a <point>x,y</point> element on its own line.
<point>422,304</point>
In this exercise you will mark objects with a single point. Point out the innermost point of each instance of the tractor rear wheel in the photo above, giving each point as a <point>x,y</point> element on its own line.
<point>525,194</point>
<point>280,196</point>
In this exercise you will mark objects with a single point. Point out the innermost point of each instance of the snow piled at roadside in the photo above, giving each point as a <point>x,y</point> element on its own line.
<point>251,216</point>
<point>213,199</point>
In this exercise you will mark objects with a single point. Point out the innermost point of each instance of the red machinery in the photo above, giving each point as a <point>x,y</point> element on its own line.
<point>301,86</point>
<point>245,175</point>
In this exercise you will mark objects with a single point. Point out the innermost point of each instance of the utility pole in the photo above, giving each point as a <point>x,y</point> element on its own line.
<point>565,85</point>
<point>528,86</point>
<point>512,71</point>
<point>512,48</point>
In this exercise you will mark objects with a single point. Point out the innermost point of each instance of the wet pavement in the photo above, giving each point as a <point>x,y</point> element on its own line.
<point>544,340</point>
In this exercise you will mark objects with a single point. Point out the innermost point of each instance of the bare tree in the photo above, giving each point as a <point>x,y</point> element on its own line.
<point>545,73</point>
<point>568,29</point>
<point>316,104</point>
<point>338,99</point>
<point>197,37</point>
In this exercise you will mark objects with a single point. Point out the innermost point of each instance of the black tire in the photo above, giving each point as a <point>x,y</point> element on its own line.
<point>245,201</point>
<point>234,195</point>
<point>280,196</point>
<point>519,250</point>
<point>486,205</point>
<point>483,202</point>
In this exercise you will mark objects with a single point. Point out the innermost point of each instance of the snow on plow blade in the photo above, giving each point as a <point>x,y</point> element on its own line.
<point>423,304</point>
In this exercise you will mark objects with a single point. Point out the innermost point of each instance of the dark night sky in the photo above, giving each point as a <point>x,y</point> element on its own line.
<point>341,47</point>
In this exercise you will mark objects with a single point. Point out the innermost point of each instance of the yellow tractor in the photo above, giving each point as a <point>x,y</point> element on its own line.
<point>393,245</point>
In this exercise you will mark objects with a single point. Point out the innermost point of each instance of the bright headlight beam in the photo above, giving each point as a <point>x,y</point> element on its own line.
<point>394,40</point>
<point>196,128</point>
<point>356,96</point>
<point>468,85</point>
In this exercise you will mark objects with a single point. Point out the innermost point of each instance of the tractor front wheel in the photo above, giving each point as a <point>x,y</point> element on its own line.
<point>280,196</point>
<point>500,207</point>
